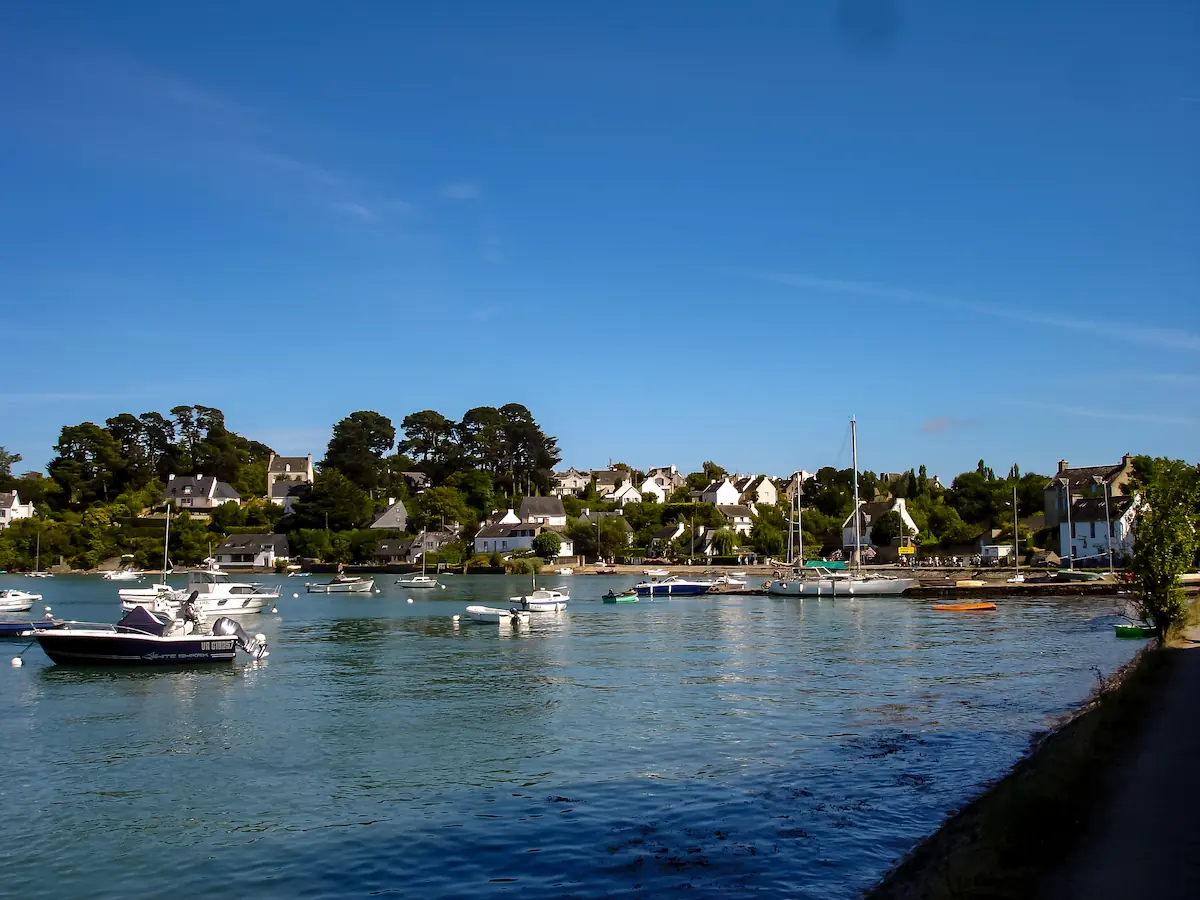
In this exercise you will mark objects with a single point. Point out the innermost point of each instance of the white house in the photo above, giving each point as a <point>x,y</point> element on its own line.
<point>570,483</point>
<point>394,516</point>
<point>651,487</point>
<point>543,511</point>
<point>287,477</point>
<point>1088,533</point>
<point>11,508</point>
<point>202,492</point>
<point>257,551</point>
<point>738,517</point>
<point>870,513</point>
<point>668,478</point>
<point>508,538</point>
<point>756,489</point>
<point>608,479</point>
<point>721,493</point>
<point>509,518</point>
<point>624,493</point>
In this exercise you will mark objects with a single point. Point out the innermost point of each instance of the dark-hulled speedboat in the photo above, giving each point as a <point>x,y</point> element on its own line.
<point>145,638</point>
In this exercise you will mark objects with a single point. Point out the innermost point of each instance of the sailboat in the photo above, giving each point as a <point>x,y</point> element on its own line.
<point>37,563</point>
<point>422,580</point>
<point>819,582</point>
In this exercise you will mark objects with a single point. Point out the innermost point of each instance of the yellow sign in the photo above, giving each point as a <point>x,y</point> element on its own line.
<point>907,551</point>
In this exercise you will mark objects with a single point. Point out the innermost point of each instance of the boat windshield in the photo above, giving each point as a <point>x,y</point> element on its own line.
<point>208,577</point>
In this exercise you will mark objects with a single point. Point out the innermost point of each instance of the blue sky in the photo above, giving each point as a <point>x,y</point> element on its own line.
<point>675,231</point>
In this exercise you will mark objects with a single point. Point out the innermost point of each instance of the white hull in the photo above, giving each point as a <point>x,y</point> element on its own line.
<point>342,587</point>
<point>233,605</point>
<point>18,601</point>
<point>564,571</point>
<point>655,573</point>
<point>126,575</point>
<point>542,601</point>
<point>493,616</point>
<point>417,581</point>
<point>841,587</point>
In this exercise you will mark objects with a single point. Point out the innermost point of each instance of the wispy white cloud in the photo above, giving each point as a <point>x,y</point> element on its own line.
<point>1112,414</point>
<point>461,190</point>
<point>134,114</point>
<point>1168,338</point>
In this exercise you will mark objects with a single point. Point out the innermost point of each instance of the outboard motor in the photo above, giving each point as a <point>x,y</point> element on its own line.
<point>256,646</point>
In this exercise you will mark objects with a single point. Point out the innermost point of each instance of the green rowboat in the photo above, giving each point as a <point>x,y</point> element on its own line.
<point>1134,630</point>
<point>629,596</point>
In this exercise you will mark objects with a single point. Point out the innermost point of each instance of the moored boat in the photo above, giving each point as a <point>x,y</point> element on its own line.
<point>353,585</point>
<point>417,581</point>
<point>494,616</point>
<point>1134,630</point>
<point>655,573</point>
<point>675,585</point>
<point>18,601</point>
<point>219,594</point>
<point>963,607</point>
<point>629,596</point>
<point>143,637</point>
<point>812,582</point>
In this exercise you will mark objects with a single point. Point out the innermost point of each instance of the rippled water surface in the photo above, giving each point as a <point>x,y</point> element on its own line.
<point>740,746</point>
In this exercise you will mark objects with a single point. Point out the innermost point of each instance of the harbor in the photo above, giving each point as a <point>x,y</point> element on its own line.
<point>729,743</point>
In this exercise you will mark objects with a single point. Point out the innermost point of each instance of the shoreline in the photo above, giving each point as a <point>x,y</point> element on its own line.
<point>1025,828</point>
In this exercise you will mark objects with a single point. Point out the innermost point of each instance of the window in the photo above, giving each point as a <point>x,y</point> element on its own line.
<point>1093,529</point>
<point>506,545</point>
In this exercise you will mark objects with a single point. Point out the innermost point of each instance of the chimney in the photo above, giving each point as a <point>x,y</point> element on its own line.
<point>1062,466</point>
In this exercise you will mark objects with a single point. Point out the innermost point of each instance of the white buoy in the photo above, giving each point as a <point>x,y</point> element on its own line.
<point>295,596</point>
<point>274,609</point>
<point>454,618</point>
<point>17,662</point>
<point>442,586</point>
<point>378,591</point>
<point>260,637</point>
<point>46,608</point>
<point>410,599</point>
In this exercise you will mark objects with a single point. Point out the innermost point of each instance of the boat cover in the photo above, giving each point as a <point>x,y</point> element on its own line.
<point>143,620</point>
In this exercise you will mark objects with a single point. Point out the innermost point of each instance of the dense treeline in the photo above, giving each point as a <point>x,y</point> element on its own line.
<point>104,485</point>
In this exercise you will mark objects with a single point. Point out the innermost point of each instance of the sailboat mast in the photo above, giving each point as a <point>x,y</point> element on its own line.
<point>166,544</point>
<point>857,518</point>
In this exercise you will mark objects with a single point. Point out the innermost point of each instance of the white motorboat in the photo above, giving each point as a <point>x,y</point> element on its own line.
<point>339,585</point>
<point>728,581</point>
<point>495,616</point>
<point>18,601</point>
<point>565,570</point>
<point>218,594</point>
<point>738,574</point>
<point>655,573</point>
<point>542,601</point>
<point>124,575</point>
<point>674,586</point>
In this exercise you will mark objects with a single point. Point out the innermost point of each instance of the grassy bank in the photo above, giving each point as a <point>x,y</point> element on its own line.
<point>1003,844</point>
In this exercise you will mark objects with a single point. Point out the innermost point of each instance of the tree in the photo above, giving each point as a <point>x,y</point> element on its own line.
<point>428,437</point>
<point>887,528</point>
<point>614,539</point>
<point>725,542</point>
<point>7,461</point>
<point>439,506</point>
<point>87,464</point>
<point>357,447</point>
<point>1165,539</point>
<point>547,545</point>
<point>333,501</point>
<point>767,540</point>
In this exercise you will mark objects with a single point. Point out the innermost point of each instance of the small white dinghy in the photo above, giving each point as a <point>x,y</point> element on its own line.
<point>495,616</point>
<point>18,601</point>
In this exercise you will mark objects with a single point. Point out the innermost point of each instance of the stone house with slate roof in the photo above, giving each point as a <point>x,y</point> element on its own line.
<point>252,551</point>
<point>721,493</point>
<point>394,516</point>
<point>1087,538</point>
<point>1085,482</point>
<point>543,511</point>
<point>739,518</point>
<point>756,489</point>
<point>287,477</point>
<point>198,492</point>
<point>570,483</point>
<point>508,538</point>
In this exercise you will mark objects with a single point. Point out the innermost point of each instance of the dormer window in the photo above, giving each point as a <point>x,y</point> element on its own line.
<point>187,489</point>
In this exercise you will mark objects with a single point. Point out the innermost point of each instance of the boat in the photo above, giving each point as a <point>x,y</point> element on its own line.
<point>124,575</point>
<point>218,594</point>
<point>729,581</point>
<point>37,562</point>
<point>674,585</point>
<point>13,600</point>
<point>963,607</point>
<point>655,573</point>
<point>541,600</point>
<point>144,637</point>
<point>1134,630</point>
<point>814,582</point>
<point>495,616</point>
<point>629,596</point>
<point>826,581</point>
<point>969,583</point>
<point>422,580</point>
<point>340,585</point>
<point>738,574</point>
<point>418,581</point>
<point>21,629</point>
<point>565,570</point>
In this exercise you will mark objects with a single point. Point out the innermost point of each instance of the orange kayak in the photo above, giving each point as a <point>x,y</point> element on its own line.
<point>963,607</point>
